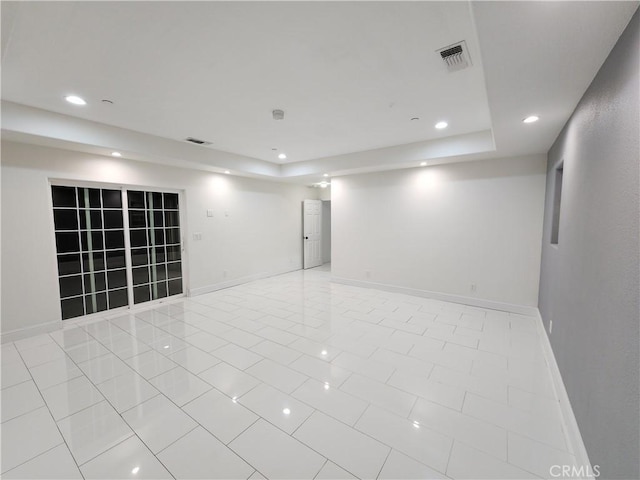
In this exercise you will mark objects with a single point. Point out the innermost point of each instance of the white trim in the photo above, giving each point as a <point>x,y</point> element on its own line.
<point>570,427</point>
<point>446,297</point>
<point>20,333</point>
<point>239,281</point>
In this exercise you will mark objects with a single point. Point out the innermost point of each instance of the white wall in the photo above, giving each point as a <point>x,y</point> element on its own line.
<point>326,231</point>
<point>260,236</point>
<point>441,229</point>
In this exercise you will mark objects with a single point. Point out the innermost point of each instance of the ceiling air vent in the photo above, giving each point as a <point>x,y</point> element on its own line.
<point>455,57</point>
<point>197,141</point>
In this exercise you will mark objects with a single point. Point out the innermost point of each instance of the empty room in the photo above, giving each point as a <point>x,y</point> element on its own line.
<point>320,240</point>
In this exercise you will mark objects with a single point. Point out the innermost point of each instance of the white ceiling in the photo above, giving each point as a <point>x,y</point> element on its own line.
<point>349,75</point>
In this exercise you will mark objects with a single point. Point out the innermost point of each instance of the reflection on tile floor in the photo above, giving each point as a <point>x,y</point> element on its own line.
<point>287,377</point>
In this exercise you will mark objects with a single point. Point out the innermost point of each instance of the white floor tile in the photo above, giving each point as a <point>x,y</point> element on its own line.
<point>200,455</point>
<point>276,375</point>
<point>180,385</point>
<point>440,393</point>
<point>469,463</point>
<point>537,457</point>
<point>67,398</point>
<point>321,370</point>
<point>331,471</point>
<point>353,451</point>
<point>276,352</point>
<point>158,422</point>
<point>221,416</point>
<point>205,341</point>
<point>129,459</point>
<point>275,454</point>
<point>237,356</point>
<point>28,436</point>
<point>151,364</point>
<point>278,408</point>
<point>417,441</point>
<point>20,399</point>
<point>93,431</point>
<point>41,354</point>
<point>54,464</point>
<point>229,380</point>
<point>484,436</point>
<point>476,381</point>
<point>366,367</point>
<point>127,390</point>
<point>330,400</point>
<point>168,345</point>
<point>71,337</point>
<point>276,335</point>
<point>86,351</point>
<point>377,393</point>
<point>194,359</point>
<point>538,428</point>
<point>104,368</point>
<point>399,466</point>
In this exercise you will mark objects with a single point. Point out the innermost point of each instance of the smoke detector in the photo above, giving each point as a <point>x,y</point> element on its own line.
<point>197,141</point>
<point>455,57</point>
<point>278,114</point>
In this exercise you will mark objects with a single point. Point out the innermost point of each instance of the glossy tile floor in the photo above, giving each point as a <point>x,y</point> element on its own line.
<point>288,377</point>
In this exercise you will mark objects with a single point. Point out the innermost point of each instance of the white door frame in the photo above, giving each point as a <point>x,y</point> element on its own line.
<point>311,233</point>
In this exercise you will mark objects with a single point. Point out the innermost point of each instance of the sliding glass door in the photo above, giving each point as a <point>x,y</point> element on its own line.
<point>154,227</point>
<point>105,262</point>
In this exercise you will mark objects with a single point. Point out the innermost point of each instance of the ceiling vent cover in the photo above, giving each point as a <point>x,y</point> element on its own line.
<point>455,57</point>
<point>197,141</point>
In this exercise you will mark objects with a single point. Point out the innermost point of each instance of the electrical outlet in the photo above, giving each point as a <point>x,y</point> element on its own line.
<point>209,213</point>
<point>197,236</point>
<point>550,326</point>
<point>473,287</point>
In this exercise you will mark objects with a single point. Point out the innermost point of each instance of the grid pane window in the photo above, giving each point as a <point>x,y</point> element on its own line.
<point>89,236</point>
<point>154,223</point>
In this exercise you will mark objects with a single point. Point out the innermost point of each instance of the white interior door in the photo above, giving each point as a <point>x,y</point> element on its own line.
<point>312,228</point>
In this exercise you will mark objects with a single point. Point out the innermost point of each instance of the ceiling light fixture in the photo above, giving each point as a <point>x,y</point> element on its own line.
<point>423,164</point>
<point>286,411</point>
<point>227,172</point>
<point>278,114</point>
<point>135,470</point>
<point>325,175</point>
<point>531,119</point>
<point>282,156</point>
<point>76,100</point>
<point>326,385</point>
<point>441,125</point>
<point>116,154</point>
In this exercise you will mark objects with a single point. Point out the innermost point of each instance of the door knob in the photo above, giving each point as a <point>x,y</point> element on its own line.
<point>306,238</point>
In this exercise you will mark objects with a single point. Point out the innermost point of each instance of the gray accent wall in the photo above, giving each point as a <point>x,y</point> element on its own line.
<point>589,282</point>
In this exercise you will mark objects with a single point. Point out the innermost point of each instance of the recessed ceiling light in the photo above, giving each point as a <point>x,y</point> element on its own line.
<point>441,125</point>
<point>423,164</point>
<point>325,175</point>
<point>416,424</point>
<point>234,399</point>
<point>286,411</point>
<point>326,385</point>
<point>531,119</point>
<point>282,156</point>
<point>75,100</point>
<point>323,352</point>
<point>135,470</point>
<point>116,154</point>
<point>227,172</point>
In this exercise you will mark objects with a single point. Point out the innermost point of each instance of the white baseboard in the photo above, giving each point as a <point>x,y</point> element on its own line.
<point>570,427</point>
<point>446,297</point>
<point>240,281</point>
<point>20,333</point>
